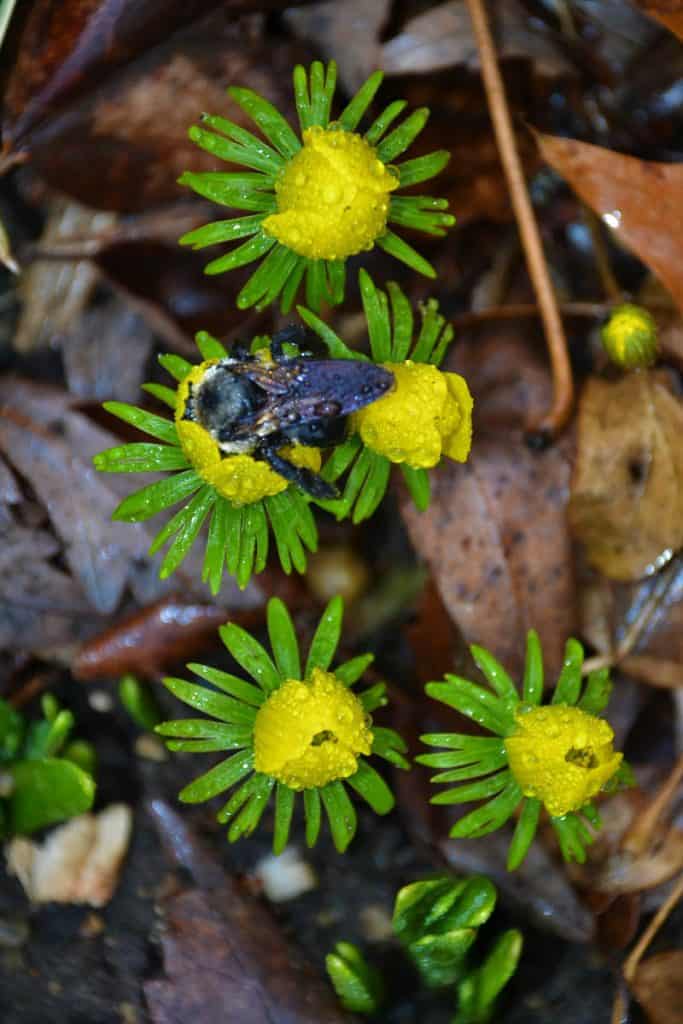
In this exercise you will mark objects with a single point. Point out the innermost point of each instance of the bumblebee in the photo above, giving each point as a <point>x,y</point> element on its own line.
<point>255,406</point>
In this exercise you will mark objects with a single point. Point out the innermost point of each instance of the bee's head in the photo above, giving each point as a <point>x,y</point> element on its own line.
<point>224,398</point>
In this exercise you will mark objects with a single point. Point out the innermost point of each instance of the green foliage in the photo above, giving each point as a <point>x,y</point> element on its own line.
<point>43,778</point>
<point>436,921</point>
<point>358,984</point>
<point>480,988</point>
<point>139,702</point>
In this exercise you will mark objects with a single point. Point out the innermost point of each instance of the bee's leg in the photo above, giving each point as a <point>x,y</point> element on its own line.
<point>292,335</point>
<point>241,350</point>
<point>305,479</point>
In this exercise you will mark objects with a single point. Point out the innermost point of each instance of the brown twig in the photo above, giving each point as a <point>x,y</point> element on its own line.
<point>563,385</point>
<point>636,954</point>
<point>527,310</point>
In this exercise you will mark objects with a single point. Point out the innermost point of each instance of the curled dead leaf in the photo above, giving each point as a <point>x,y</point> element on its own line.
<point>627,491</point>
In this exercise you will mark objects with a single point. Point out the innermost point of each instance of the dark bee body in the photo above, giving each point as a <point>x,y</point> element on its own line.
<point>251,406</point>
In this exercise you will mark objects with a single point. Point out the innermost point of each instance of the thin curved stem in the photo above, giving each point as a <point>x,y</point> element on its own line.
<point>563,384</point>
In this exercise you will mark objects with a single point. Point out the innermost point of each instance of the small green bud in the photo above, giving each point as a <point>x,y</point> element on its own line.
<point>436,921</point>
<point>139,702</point>
<point>477,993</point>
<point>358,984</point>
<point>630,337</point>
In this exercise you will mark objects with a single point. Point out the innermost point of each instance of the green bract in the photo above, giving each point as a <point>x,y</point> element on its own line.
<point>238,536</point>
<point>390,329</point>
<point>501,711</point>
<point>43,778</point>
<point>358,984</point>
<point>234,706</point>
<point>259,190</point>
<point>436,921</point>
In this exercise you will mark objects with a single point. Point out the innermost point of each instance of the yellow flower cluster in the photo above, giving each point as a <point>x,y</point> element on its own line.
<point>239,478</point>
<point>310,733</point>
<point>332,197</point>
<point>561,755</point>
<point>428,414</point>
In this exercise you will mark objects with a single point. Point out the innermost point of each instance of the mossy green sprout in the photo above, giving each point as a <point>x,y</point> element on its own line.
<point>558,756</point>
<point>241,497</point>
<point>312,202</point>
<point>44,776</point>
<point>359,985</point>
<point>292,732</point>
<point>427,416</point>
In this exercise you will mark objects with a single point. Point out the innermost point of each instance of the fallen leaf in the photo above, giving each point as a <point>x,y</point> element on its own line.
<point>442,37</point>
<point>150,639</point>
<point>79,862</point>
<point>668,12</point>
<point>54,293</point>
<point>641,201</point>
<point>495,535</point>
<point>108,123</point>
<point>627,491</point>
<point>41,608</point>
<point>224,955</point>
<point>658,987</point>
<point>100,553</point>
<point>348,33</point>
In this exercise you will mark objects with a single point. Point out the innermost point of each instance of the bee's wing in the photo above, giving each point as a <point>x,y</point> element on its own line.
<point>325,387</point>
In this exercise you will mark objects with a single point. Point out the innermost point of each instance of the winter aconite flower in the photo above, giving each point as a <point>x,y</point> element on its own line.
<point>630,337</point>
<point>425,417</point>
<point>292,732</point>
<point>314,201</point>
<point>239,496</point>
<point>558,756</point>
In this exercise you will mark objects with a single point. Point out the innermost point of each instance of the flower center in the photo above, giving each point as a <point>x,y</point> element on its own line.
<point>561,755</point>
<point>310,733</point>
<point>332,197</point>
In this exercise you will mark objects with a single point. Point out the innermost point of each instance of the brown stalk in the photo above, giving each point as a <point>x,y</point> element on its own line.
<point>563,385</point>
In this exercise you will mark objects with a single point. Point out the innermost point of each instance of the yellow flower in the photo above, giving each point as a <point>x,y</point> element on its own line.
<point>332,197</point>
<point>427,415</point>
<point>239,478</point>
<point>310,733</point>
<point>561,755</point>
<point>630,337</point>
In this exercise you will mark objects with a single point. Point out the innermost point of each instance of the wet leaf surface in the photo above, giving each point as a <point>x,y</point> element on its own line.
<point>658,987</point>
<point>642,202</point>
<point>495,535</point>
<point>118,87</point>
<point>627,490</point>
<point>224,956</point>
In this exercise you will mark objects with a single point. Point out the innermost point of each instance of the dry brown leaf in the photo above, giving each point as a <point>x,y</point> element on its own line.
<point>442,37</point>
<point>642,202</point>
<point>348,33</point>
<point>495,535</point>
<point>668,12</point>
<point>225,959</point>
<point>627,491</point>
<point>658,987</point>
